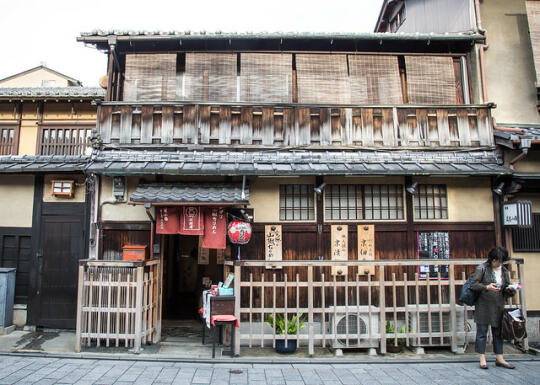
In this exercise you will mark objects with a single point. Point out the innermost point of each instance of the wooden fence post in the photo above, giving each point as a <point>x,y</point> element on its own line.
<point>311,350</point>
<point>453,320</point>
<point>138,309</point>
<point>382,310</point>
<point>237,303</point>
<point>523,305</point>
<point>80,291</point>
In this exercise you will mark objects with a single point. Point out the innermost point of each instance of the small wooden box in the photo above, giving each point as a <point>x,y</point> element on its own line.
<point>134,252</point>
<point>220,305</point>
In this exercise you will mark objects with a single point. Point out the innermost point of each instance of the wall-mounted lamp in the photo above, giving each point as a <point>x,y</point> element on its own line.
<point>246,216</point>
<point>412,188</point>
<point>63,188</point>
<point>499,189</point>
<point>319,190</point>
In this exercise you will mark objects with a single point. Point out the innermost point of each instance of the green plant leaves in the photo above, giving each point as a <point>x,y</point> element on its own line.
<point>296,323</point>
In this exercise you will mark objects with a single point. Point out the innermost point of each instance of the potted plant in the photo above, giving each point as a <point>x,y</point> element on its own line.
<point>390,346</point>
<point>293,326</point>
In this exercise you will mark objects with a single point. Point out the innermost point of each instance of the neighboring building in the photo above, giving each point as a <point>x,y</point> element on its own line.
<point>509,65</point>
<point>44,136</point>
<point>40,76</point>
<point>304,131</point>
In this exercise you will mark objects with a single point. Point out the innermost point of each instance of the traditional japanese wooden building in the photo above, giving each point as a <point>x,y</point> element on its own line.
<point>364,162</point>
<point>46,121</point>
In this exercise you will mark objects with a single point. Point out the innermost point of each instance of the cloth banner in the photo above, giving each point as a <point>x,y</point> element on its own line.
<point>191,221</point>
<point>167,220</point>
<point>215,228</point>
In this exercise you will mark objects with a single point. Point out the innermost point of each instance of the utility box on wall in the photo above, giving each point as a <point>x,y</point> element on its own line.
<point>7,295</point>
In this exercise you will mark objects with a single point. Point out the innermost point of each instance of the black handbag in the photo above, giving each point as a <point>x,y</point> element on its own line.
<point>513,329</point>
<point>467,295</point>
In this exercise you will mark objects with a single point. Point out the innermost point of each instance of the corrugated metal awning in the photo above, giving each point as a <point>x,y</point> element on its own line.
<point>190,193</point>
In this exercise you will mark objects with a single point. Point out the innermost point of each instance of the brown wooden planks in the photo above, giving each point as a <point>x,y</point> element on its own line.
<point>267,126</point>
<point>225,125</point>
<point>190,124</point>
<point>125,124</point>
<point>246,130</point>
<point>463,127</point>
<point>105,123</point>
<point>443,127</point>
<point>147,123</point>
<point>485,134</point>
<point>204,124</point>
<point>303,124</point>
<point>167,124</point>
<point>367,126</point>
<point>388,132</point>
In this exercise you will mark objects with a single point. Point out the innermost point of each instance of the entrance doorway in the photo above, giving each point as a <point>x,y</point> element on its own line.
<point>183,276</point>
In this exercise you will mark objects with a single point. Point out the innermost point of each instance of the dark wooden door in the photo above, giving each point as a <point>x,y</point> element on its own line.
<point>63,241</point>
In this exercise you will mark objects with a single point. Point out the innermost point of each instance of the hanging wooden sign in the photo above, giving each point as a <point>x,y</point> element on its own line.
<point>273,243</point>
<point>203,256</point>
<point>220,256</point>
<point>366,248</point>
<point>339,247</point>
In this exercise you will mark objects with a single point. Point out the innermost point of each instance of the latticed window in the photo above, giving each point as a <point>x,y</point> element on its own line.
<point>366,201</point>
<point>527,239</point>
<point>296,202</point>
<point>430,202</point>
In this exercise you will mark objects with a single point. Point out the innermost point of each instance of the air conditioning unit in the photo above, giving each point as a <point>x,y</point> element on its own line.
<point>422,325</point>
<point>362,326</point>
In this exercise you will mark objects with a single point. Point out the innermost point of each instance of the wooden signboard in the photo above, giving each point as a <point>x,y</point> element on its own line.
<point>366,247</point>
<point>220,256</point>
<point>339,247</point>
<point>273,243</point>
<point>203,254</point>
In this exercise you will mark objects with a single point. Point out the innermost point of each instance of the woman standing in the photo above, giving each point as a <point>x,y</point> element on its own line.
<point>491,280</point>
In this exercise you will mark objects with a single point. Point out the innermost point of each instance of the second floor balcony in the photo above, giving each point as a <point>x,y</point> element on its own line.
<point>287,126</point>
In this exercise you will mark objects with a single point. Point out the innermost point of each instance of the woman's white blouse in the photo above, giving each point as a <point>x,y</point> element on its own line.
<point>498,276</point>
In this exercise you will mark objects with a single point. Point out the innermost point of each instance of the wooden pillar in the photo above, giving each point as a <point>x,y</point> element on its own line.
<point>320,218</point>
<point>382,310</point>
<point>138,309</point>
<point>411,238</point>
<point>80,291</point>
<point>311,350</point>
<point>523,304</point>
<point>453,320</point>
<point>237,303</point>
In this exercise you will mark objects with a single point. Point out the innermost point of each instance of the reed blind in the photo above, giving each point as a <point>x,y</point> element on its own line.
<point>266,77</point>
<point>533,15</point>
<point>322,79</point>
<point>210,77</point>
<point>375,79</point>
<point>150,77</point>
<point>430,80</point>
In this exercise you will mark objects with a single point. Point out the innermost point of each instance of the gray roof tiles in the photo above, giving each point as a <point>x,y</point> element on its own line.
<point>226,193</point>
<point>52,92</point>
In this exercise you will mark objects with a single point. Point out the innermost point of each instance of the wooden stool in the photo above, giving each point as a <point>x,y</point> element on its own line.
<point>223,320</point>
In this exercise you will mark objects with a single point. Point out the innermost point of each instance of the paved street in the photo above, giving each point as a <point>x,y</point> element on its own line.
<point>36,370</point>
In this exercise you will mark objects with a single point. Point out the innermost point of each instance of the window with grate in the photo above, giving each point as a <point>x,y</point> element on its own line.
<point>365,201</point>
<point>296,202</point>
<point>527,239</point>
<point>430,202</point>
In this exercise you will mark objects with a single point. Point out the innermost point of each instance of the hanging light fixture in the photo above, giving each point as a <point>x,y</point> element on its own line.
<point>411,189</point>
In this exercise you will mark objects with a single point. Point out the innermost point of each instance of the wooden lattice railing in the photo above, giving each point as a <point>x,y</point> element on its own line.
<point>118,304</point>
<point>352,310</point>
<point>64,140</point>
<point>170,124</point>
<point>8,140</point>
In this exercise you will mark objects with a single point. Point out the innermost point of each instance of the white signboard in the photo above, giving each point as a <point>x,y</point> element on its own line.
<point>517,214</point>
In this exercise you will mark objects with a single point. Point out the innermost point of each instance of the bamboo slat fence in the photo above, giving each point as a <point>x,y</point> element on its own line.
<point>64,140</point>
<point>118,304</point>
<point>341,312</point>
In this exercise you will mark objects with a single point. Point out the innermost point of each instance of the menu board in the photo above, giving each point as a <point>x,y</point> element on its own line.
<point>273,243</point>
<point>340,247</point>
<point>433,245</point>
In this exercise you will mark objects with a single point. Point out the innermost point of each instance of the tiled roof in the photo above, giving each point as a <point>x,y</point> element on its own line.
<point>277,163</point>
<point>190,193</point>
<point>511,135</point>
<point>52,92</point>
<point>277,34</point>
<point>43,163</point>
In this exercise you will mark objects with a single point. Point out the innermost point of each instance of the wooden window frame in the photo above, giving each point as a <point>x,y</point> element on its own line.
<point>40,145</point>
<point>527,239</point>
<point>308,206</point>
<point>431,204</point>
<point>14,147</point>
<point>361,207</point>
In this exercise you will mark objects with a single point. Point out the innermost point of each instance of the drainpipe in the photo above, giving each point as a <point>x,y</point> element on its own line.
<point>483,48</point>
<point>243,187</point>
<point>148,207</point>
<point>524,145</point>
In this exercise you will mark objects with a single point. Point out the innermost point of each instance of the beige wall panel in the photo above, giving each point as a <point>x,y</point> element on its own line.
<point>264,196</point>
<point>531,282</point>
<point>469,199</point>
<point>364,180</point>
<point>122,211</point>
<point>8,111</point>
<point>69,111</point>
<point>17,195</point>
<point>80,191</point>
<point>28,138</point>
<point>35,79</point>
<point>30,111</point>
<point>535,200</point>
<point>509,62</point>
<point>531,162</point>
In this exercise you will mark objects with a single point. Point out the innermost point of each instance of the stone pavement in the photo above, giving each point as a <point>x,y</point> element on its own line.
<point>48,370</point>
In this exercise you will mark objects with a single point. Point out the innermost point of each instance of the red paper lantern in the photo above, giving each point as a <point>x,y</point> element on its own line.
<point>239,232</point>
